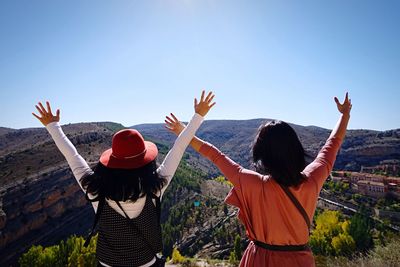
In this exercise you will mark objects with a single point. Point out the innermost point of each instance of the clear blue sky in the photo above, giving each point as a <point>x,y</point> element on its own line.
<point>132,61</point>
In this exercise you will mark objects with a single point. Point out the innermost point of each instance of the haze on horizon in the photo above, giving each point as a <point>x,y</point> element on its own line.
<point>133,62</point>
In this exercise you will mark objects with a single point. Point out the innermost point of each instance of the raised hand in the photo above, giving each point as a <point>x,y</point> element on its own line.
<point>205,104</point>
<point>46,116</point>
<point>201,107</point>
<point>173,124</point>
<point>346,106</point>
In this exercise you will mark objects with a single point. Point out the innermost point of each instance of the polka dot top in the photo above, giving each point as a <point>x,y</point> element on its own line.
<point>120,244</point>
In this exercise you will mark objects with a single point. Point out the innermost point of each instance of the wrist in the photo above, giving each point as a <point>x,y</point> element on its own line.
<point>52,124</point>
<point>346,115</point>
<point>202,114</point>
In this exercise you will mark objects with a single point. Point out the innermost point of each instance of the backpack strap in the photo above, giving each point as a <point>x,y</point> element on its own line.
<point>298,206</point>
<point>158,205</point>
<point>132,223</point>
<point>120,207</point>
<point>96,220</point>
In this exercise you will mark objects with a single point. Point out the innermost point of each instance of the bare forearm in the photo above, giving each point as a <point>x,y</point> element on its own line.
<point>340,129</point>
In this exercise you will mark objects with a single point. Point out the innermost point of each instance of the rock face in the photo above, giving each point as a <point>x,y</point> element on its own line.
<point>40,200</point>
<point>38,205</point>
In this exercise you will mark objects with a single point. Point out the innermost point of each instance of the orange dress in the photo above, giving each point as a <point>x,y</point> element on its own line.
<point>265,210</point>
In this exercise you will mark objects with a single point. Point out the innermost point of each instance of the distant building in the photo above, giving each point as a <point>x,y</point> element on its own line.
<point>392,187</point>
<point>371,188</point>
<point>357,176</point>
<point>375,185</point>
<point>394,190</point>
<point>393,180</point>
<point>389,167</point>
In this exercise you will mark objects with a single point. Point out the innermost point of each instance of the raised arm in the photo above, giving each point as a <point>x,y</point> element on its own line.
<point>77,164</point>
<point>340,130</point>
<point>170,164</point>
<point>176,126</point>
<point>321,167</point>
<point>228,167</point>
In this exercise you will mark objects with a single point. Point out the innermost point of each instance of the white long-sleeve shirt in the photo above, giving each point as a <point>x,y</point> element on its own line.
<point>167,168</point>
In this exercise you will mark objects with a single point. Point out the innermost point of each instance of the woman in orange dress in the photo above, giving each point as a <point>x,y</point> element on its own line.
<point>278,231</point>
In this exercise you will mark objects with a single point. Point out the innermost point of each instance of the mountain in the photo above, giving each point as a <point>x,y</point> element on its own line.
<point>234,138</point>
<point>4,130</point>
<point>41,203</point>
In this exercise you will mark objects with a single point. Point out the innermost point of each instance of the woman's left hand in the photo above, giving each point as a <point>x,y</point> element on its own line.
<point>173,124</point>
<point>46,116</point>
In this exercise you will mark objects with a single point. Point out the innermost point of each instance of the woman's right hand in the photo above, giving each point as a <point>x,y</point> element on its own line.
<point>46,116</point>
<point>205,104</point>
<point>345,107</point>
<point>174,124</point>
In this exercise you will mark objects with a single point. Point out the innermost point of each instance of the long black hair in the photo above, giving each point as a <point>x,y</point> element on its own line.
<point>123,184</point>
<point>277,151</point>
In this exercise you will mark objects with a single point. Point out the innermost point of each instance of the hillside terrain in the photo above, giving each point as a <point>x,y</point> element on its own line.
<point>234,138</point>
<point>41,203</point>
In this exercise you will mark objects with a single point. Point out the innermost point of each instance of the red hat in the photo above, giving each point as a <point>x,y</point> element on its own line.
<point>128,151</point>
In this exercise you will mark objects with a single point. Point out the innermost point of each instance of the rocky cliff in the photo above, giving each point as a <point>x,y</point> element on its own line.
<point>40,201</point>
<point>41,211</point>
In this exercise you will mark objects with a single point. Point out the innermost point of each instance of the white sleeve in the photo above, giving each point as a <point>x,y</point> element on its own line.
<point>77,164</point>
<point>170,164</point>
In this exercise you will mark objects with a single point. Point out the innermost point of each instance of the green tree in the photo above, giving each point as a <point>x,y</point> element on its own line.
<point>360,230</point>
<point>31,257</point>
<point>320,244</point>
<point>69,253</point>
<point>343,244</point>
<point>237,247</point>
<point>232,258</point>
<point>80,255</point>
<point>331,235</point>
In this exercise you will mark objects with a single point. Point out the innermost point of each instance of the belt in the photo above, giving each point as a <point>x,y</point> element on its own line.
<point>304,247</point>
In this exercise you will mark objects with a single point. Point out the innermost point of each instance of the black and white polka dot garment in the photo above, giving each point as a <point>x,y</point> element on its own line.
<point>120,244</point>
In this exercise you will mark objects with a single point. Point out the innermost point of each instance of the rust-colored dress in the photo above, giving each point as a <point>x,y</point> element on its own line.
<point>267,213</point>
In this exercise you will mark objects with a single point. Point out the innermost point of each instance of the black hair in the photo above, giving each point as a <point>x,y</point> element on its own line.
<point>123,184</point>
<point>278,152</point>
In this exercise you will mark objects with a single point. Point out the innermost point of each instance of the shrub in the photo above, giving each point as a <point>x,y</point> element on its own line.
<point>380,256</point>
<point>177,257</point>
<point>331,235</point>
<point>69,253</point>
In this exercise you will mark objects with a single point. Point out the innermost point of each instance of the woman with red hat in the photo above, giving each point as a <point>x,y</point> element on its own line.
<point>125,187</point>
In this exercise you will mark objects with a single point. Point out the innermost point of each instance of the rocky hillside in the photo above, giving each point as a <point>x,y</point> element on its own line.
<point>40,202</point>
